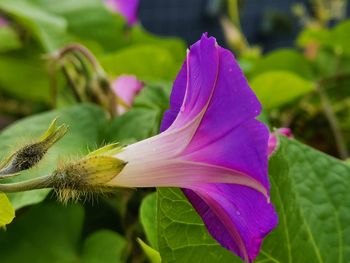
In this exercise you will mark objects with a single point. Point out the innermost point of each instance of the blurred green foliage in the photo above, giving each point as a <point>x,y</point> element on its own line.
<point>305,88</point>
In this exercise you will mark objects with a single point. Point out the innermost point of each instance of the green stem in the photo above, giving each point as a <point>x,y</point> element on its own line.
<point>82,50</point>
<point>333,122</point>
<point>334,78</point>
<point>71,83</point>
<point>37,183</point>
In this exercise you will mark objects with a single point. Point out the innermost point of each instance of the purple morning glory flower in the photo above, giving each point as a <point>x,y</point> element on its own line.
<point>213,148</point>
<point>126,8</point>
<point>126,87</point>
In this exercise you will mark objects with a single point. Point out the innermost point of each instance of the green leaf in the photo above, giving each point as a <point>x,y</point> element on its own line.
<point>9,39</point>
<point>147,62</point>
<point>85,122</point>
<point>336,38</point>
<point>339,38</point>
<point>97,244</point>
<point>7,213</point>
<point>182,235</point>
<point>310,192</point>
<point>152,254</point>
<point>154,97</point>
<point>148,218</point>
<point>24,77</point>
<point>47,28</point>
<point>146,115</point>
<point>46,233</point>
<point>286,60</point>
<point>175,46</point>
<point>52,233</point>
<point>134,125</point>
<point>89,20</point>
<point>275,88</point>
<point>309,36</point>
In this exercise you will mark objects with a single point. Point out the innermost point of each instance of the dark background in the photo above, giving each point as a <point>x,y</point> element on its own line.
<point>269,23</point>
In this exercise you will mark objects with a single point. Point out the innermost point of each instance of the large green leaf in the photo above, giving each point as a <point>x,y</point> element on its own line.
<point>52,233</point>
<point>275,88</point>
<point>310,193</point>
<point>175,46</point>
<point>182,236</point>
<point>309,190</point>
<point>286,60</point>
<point>47,28</point>
<point>102,247</point>
<point>146,115</point>
<point>88,20</point>
<point>132,126</point>
<point>86,123</point>
<point>147,62</point>
<point>310,36</point>
<point>7,213</point>
<point>9,39</point>
<point>24,77</point>
<point>154,97</point>
<point>339,38</point>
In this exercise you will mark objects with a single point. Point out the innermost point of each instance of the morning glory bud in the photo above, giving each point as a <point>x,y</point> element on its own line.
<point>31,154</point>
<point>88,175</point>
<point>273,142</point>
<point>126,88</point>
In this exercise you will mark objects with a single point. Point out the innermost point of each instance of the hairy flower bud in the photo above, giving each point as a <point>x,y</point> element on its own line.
<point>88,175</point>
<point>31,154</point>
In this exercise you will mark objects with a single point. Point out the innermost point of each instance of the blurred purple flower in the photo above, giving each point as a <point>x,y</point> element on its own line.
<point>3,21</point>
<point>126,87</point>
<point>126,8</point>
<point>272,144</point>
<point>213,148</point>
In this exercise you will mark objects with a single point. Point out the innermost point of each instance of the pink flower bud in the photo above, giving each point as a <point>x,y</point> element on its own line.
<point>126,87</point>
<point>126,8</point>
<point>272,144</point>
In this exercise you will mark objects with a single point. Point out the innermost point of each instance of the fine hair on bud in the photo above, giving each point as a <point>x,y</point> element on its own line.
<point>31,154</point>
<point>85,177</point>
<point>26,157</point>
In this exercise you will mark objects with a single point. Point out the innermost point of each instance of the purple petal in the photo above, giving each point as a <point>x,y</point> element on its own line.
<point>236,216</point>
<point>243,149</point>
<point>194,86</point>
<point>176,98</point>
<point>127,8</point>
